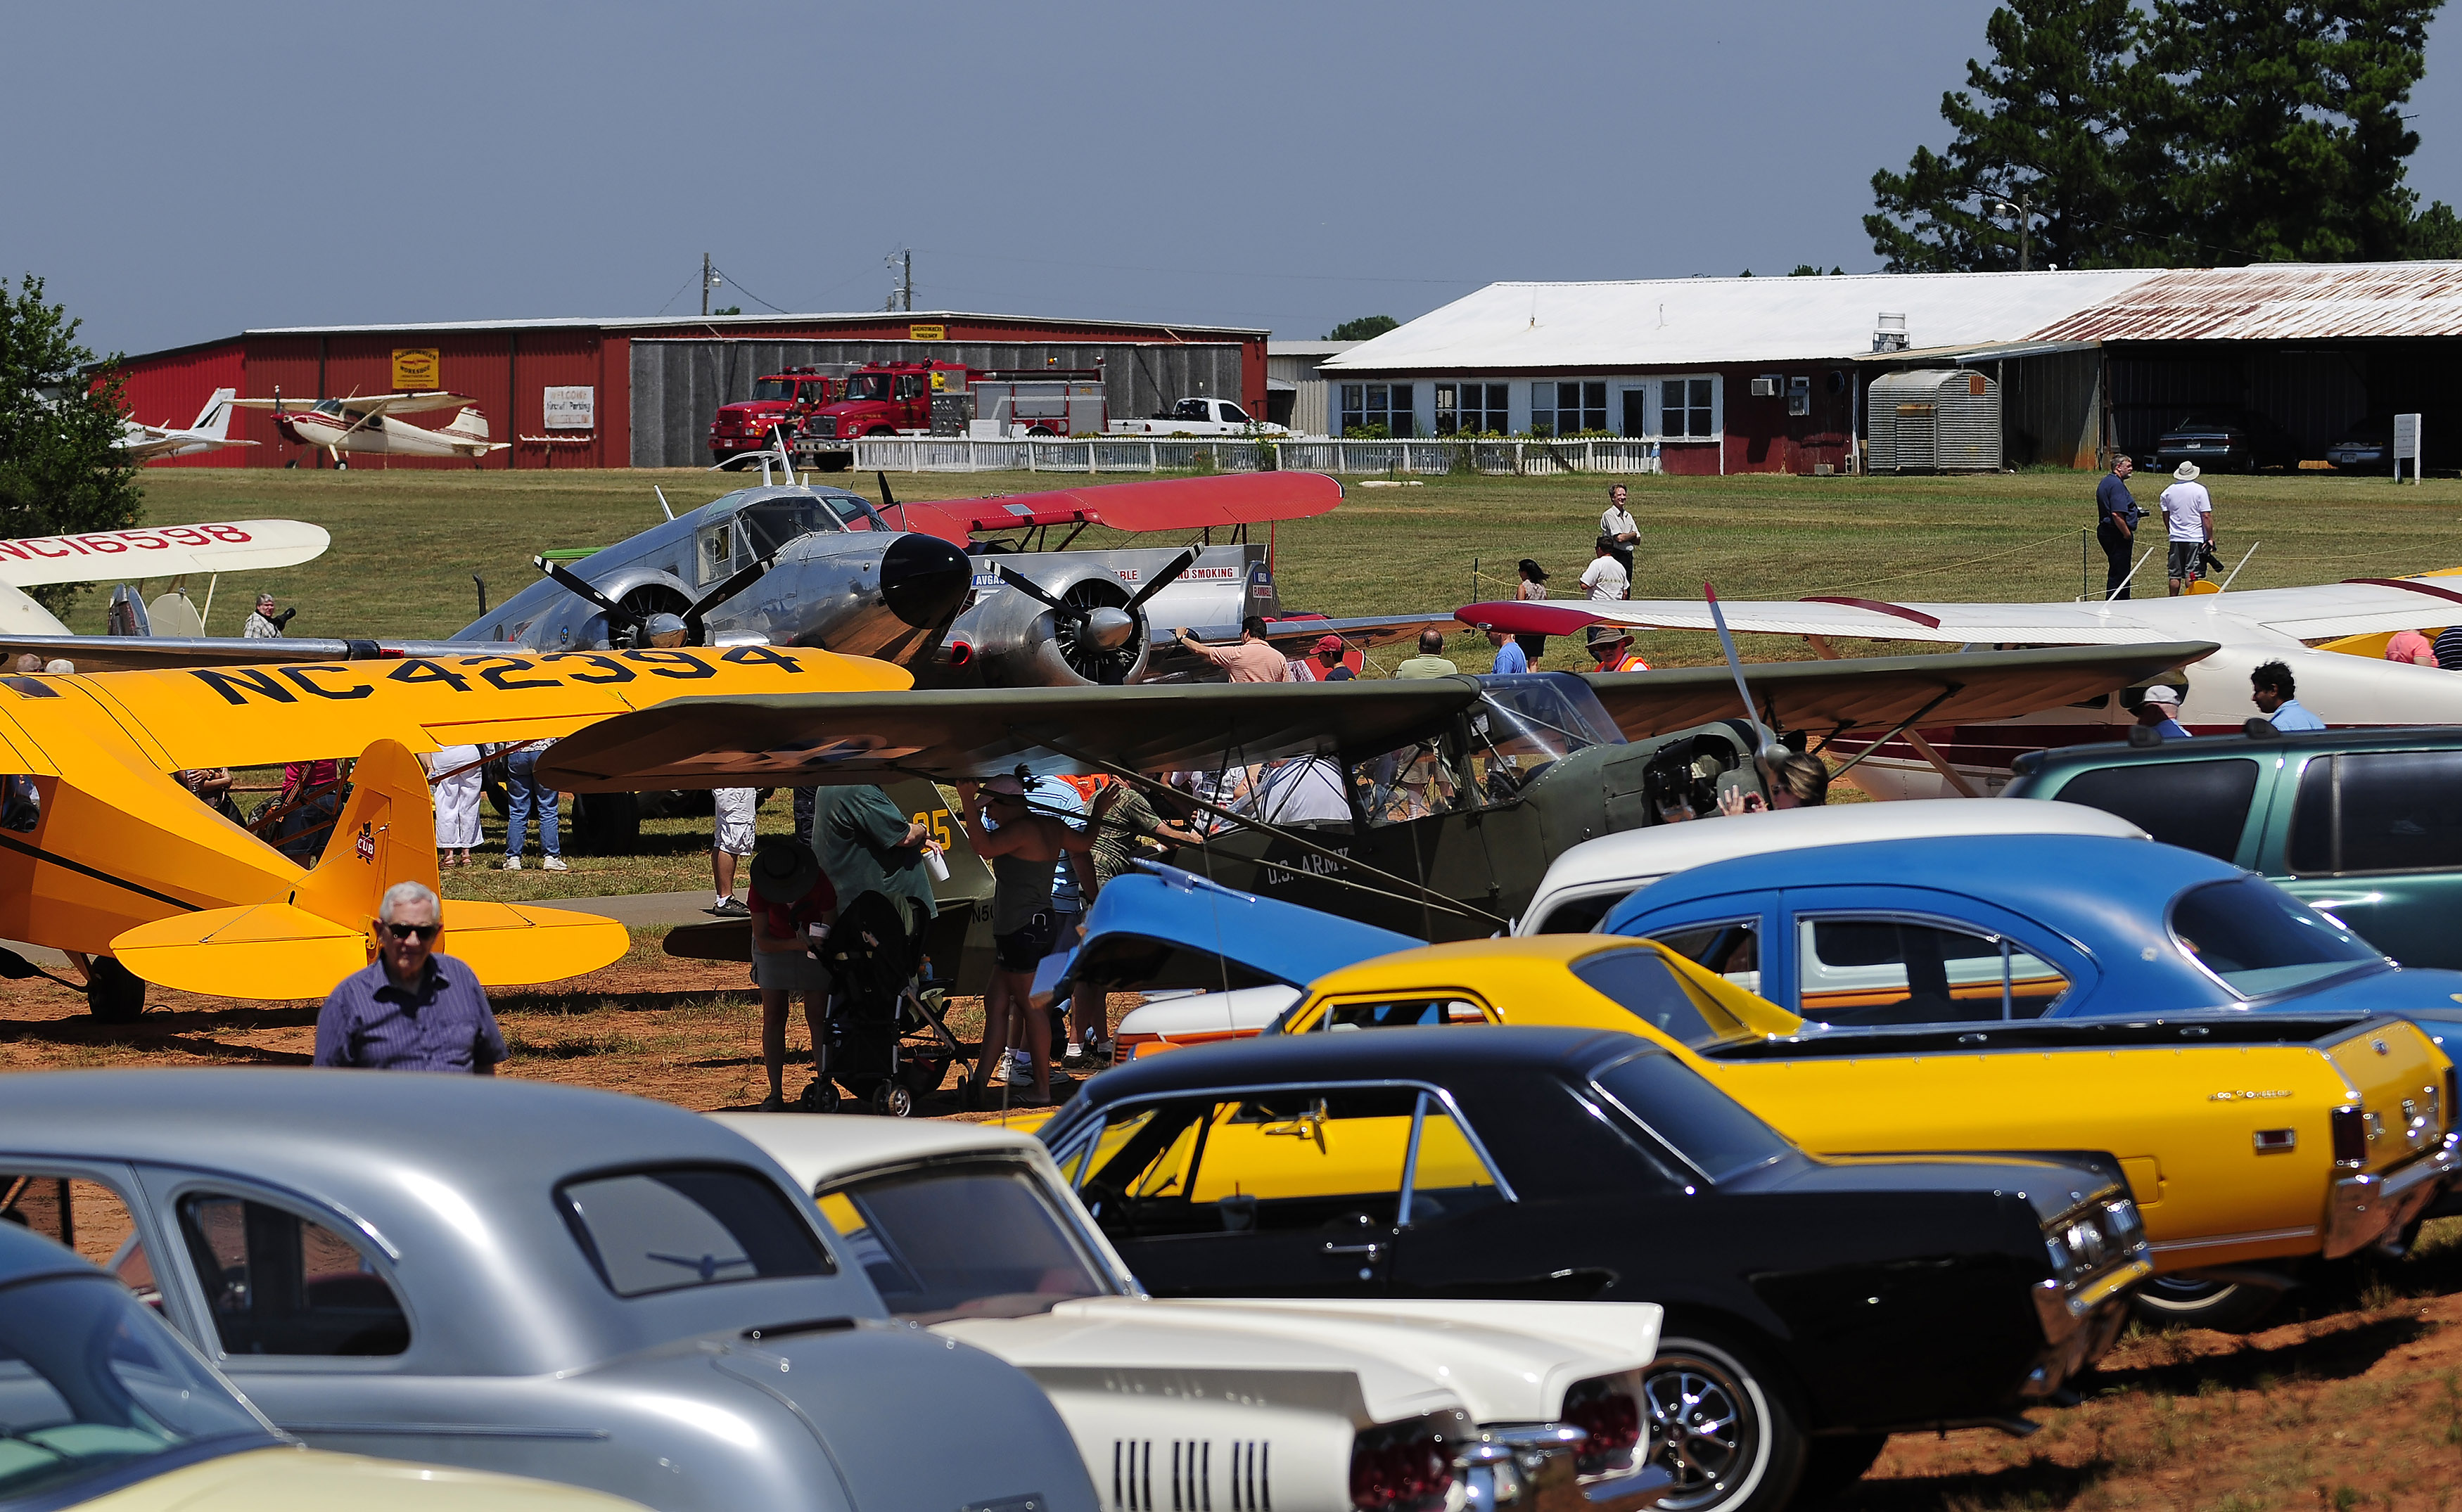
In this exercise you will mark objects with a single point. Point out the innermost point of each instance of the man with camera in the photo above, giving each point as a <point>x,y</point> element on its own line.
<point>2190,513</point>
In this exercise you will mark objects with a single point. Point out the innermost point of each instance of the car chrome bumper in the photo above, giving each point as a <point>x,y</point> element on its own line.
<point>2078,1329</point>
<point>1529,1468</point>
<point>2365,1209</point>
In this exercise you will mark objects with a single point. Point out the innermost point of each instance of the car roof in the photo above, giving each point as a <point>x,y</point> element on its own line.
<point>2039,876</point>
<point>1663,850</point>
<point>25,1255</point>
<point>1533,967</point>
<point>818,1150</point>
<point>2113,753</point>
<point>1430,1054</point>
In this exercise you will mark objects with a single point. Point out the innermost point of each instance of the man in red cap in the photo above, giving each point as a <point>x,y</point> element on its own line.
<point>1327,652</point>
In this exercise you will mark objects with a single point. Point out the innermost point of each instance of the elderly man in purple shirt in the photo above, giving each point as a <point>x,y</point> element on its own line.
<point>411,1009</point>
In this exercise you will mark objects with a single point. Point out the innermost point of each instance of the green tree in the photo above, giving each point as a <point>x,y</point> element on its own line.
<point>2043,127</point>
<point>2279,130</point>
<point>1367,327</point>
<point>61,470</point>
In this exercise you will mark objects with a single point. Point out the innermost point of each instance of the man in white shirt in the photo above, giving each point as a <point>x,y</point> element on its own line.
<point>1606,577</point>
<point>1616,523</point>
<point>2190,511</point>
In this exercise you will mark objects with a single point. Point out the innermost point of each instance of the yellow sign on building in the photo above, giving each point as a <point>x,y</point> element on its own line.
<point>415,368</point>
<point>927,332</point>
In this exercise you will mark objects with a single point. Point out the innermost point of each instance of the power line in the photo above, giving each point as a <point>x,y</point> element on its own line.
<point>746,293</point>
<point>1200,272</point>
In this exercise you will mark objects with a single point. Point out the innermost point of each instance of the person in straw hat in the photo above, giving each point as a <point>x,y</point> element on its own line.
<point>2190,511</point>
<point>788,898</point>
<point>1612,646</point>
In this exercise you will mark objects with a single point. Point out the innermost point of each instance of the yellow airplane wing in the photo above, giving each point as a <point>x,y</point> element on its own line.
<point>193,717</point>
<point>301,940</point>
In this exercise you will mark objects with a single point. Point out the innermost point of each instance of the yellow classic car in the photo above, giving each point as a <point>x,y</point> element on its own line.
<point>2247,1139</point>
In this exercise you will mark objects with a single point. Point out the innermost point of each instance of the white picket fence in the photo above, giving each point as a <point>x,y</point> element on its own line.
<point>1134,454</point>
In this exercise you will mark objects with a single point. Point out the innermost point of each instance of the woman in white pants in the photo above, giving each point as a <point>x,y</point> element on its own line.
<point>454,773</point>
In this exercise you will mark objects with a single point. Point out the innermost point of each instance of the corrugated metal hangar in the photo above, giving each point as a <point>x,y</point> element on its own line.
<point>654,384</point>
<point>1773,375</point>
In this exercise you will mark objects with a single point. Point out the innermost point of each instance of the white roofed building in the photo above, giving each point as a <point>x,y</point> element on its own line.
<point>1729,375</point>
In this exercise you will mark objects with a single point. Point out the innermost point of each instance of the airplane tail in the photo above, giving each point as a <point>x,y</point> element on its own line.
<point>303,943</point>
<point>215,419</point>
<point>468,425</point>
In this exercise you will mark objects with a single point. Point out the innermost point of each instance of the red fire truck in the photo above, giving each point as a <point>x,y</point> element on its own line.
<point>778,397</point>
<point>882,398</point>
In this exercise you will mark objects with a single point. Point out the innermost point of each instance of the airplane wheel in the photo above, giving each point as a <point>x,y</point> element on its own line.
<point>340,465</point>
<point>292,464</point>
<point>117,995</point>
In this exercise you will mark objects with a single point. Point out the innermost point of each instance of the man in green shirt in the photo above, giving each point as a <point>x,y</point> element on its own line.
<point>868,845</point>
<point>1431,660</point>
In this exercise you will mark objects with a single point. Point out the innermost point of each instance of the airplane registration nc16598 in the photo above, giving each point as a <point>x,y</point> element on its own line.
<point>105,851</point>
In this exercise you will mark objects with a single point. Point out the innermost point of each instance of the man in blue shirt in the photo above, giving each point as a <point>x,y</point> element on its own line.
<point>1509,656</point>
<point>2115,527</point>
<point>2271,690</point>
<point>2159,713</point>
<point>410,1009</point>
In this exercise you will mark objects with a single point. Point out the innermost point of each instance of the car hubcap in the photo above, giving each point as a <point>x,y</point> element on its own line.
<point>1707,1433</point>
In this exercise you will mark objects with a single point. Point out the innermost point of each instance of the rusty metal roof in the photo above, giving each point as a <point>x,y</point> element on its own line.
<point>2275,302</point>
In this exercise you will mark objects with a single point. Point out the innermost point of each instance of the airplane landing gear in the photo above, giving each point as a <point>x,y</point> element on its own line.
<point>114,994</point>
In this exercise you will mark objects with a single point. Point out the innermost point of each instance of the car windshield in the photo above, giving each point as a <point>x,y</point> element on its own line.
<point>867,386</point>
<point>983,1240</point>
<point>1717,1134</point>
<point>92,1382</point>
<point>773,388</point>
<point>2261,940</point>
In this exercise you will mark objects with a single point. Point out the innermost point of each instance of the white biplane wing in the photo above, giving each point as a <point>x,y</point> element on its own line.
<point>233,546</point>
<point>2361,606</point>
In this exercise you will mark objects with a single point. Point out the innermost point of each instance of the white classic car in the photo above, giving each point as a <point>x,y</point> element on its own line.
<point>1246,1406</point>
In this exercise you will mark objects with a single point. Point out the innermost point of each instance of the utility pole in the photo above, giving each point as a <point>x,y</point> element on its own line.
<point>901,291</point>
<point>2024,209</point>
<point>709,281</point>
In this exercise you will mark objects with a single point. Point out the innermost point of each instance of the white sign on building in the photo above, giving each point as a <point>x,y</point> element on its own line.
<point>572,409</point>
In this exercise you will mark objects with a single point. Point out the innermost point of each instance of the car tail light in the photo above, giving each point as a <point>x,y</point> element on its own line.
<point>2446,1109</point>
<point>2350,1139</point>
<point>1611,1419</point>
<point>1401,1469</point>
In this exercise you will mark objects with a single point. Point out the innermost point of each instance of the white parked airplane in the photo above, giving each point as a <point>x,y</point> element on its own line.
<point>2331,635</point>
<point>140,442</point>
<point>171,551</point>
<point>336,425</point>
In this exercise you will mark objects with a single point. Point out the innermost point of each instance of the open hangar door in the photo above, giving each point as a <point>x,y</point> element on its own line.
<point>2317,392</point>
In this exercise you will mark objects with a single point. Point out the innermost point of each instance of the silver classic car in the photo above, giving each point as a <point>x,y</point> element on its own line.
<point>1358,1405</point>
<point>519,1277</point>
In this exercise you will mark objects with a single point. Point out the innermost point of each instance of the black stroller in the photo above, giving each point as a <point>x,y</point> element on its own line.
<point>884,1043</point>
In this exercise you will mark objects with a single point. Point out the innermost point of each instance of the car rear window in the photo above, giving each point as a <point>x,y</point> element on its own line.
<point>1641,982</point>
<point>2196,805</point>
<point>1720,1136</point>
<point>676,1227</point>
<point>2259,939</point>
<point>920,1235</point>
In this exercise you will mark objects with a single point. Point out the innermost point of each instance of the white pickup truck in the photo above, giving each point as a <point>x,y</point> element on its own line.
<point>1199,417</point>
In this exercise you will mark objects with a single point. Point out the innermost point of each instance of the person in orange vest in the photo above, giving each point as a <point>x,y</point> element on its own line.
<point>1612,646</point>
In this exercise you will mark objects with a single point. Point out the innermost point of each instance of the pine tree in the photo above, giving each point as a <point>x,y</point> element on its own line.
<point>61,470</point>
<point>2041,127</point>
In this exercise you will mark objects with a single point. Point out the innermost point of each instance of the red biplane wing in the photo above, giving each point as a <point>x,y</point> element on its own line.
<point>1167,504</point>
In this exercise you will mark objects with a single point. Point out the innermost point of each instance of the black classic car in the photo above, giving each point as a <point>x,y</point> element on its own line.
<point>1813,1305</point>
<point>2227,441</point>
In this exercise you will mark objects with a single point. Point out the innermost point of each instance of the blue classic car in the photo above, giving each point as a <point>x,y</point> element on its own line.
<point>1974,929</point>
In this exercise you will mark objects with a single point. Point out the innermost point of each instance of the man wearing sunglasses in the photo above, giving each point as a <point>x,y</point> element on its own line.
<point>410,1009</point>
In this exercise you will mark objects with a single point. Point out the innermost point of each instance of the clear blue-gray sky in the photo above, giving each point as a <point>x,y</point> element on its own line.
<point>183,172</point>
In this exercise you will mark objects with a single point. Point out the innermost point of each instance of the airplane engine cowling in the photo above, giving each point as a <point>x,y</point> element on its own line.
<point>1015,641</point>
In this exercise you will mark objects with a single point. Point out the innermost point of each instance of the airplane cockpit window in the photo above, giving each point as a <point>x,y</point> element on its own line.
<point>1190,409</point>
<point>873,386</point>
<point>1409,782</point>
<point>772,523</point>
<point>1521,723</point>
<point>772,388</point>
<point>329,406</point>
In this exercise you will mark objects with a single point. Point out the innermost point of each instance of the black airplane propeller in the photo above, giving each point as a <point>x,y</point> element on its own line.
<point>636,621</point>
<point>1097,634</point>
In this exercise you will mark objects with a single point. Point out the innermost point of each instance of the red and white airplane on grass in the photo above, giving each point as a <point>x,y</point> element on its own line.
<point>2332,637</point>
<point>366,425</point>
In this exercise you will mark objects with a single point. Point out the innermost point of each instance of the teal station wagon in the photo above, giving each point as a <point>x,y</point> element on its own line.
<point>2366,825</point>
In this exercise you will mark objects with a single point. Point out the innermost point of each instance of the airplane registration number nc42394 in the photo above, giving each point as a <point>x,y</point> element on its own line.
<point>507,674</point>
<point>2246,1097</point>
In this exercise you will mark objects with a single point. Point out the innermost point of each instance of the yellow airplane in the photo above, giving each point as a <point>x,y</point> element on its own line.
<point>114,857</point>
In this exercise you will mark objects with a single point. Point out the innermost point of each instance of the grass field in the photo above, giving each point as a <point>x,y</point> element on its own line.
<point>404,548</point>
